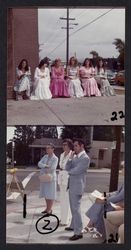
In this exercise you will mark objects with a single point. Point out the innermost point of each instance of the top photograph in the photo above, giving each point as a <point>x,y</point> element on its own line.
<point>65,66</point>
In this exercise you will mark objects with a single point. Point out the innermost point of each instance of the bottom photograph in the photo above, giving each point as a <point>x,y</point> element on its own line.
<point>65,184</point>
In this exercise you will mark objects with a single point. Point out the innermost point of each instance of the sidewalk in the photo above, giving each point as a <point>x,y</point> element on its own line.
<point>66,111</point>
<point>20,230</point>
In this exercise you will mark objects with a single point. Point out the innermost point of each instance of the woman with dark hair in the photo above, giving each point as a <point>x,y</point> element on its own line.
<point>89,83</point>
<point>63,181</point>
<point>58,84</point>
<point>74,84</point>
<point>48,165</point>
<point>23,83</point>
<point>101,78</point>
<point>42,82</point>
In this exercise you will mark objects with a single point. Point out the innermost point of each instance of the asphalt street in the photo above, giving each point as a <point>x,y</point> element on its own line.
<point>95,180</point>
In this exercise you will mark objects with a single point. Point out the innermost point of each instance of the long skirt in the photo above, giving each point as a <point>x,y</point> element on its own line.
<point>105,88</point>
<point>59,88</point>
<point>90,87</point>
<point>42,90</point>
<point>75,88</point>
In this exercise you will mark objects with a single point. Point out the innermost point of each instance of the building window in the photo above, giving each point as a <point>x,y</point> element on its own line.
<point>101,154</point>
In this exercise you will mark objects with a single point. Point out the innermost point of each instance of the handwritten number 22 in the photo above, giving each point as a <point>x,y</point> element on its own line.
<point>114,115</point>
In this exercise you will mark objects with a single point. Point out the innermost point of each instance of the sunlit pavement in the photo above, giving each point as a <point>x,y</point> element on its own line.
<point>23,230</point>
<point>67,111</point>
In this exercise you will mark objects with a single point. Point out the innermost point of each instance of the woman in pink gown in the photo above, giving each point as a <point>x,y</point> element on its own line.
<point>89,83</point>
<point>58,84</point>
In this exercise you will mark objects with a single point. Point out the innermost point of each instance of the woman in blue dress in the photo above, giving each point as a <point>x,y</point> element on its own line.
<point>48,164</point>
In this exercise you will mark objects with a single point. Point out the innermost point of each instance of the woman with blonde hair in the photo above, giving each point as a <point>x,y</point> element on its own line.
<point>74,84</point>
<point>58,84</point>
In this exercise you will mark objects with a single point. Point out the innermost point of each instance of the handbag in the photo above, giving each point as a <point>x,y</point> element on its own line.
<point>46,178</point>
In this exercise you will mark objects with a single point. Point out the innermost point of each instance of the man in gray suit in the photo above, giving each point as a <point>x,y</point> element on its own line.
<point>77,166</point>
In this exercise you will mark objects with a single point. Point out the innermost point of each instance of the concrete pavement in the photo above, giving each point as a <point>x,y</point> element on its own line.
<point>19,230</point>
<point>66,111</point>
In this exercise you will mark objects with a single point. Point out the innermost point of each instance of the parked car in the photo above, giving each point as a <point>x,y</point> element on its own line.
<point>111,76</point>
<point>120,78</point>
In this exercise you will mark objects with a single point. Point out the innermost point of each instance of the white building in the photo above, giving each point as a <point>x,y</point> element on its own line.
<point>101,153</point>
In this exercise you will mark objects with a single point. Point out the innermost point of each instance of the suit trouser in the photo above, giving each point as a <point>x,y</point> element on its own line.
<point>75,202</point>
<point>64,204</point>
<point>113,221</point>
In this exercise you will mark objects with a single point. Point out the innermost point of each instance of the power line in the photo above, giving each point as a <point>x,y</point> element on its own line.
<point>84,26</point>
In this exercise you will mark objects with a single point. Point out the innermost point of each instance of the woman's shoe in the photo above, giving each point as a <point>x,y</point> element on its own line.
<point>44,212</point>
<point>49,212</point>
<point>97,235</point>
<point>89,230</point>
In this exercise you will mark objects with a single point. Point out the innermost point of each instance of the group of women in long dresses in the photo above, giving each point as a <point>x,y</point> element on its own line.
<point>75,81</point>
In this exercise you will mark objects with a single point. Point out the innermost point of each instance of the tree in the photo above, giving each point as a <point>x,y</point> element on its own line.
<point>116,160</point>
<point>94,54</point>
<point>46,132</point>
<point>23,136</point>
<point>120,46</point>
<point>95,58</point>
<point>83,132</point>
<point>104,133</point>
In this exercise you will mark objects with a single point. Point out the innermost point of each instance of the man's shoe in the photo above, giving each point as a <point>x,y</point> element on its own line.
<point>76,237</point>
<point>68,229</point>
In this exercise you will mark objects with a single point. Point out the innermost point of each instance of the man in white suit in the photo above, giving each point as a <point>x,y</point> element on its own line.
<point>77,166</point>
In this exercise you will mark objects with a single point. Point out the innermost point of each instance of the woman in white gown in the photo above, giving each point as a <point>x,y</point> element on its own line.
<point>41,82</point>
<point>74,84</point>
<point>101,78</point>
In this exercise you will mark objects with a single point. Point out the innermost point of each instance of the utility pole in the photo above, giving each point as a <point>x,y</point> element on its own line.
<point>116,160</point>
<point>67,33</point>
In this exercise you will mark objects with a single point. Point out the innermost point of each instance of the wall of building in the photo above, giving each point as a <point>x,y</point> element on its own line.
<point>22,42</point>
<point>107,148</point>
